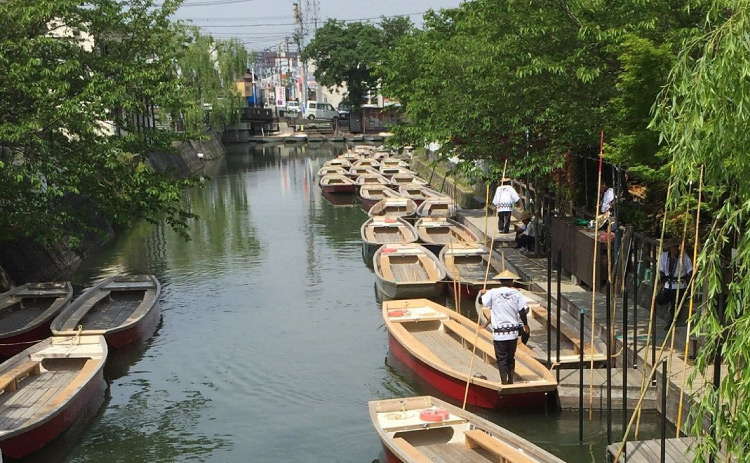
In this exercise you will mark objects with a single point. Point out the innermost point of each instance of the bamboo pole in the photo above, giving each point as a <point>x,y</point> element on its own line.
<point>594,277</point>
<point>690,306</point>
<point>479,323</point>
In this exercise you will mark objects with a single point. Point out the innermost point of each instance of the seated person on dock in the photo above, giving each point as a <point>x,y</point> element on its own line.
<point>606,208</point>
<point>504,200</point>
<point>525,234</point>
<point>508,317</point>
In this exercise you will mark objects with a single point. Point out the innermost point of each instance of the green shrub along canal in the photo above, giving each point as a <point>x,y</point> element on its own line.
<point>271,341</point>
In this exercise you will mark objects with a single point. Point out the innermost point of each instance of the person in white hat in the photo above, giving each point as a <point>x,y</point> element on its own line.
<point>504,200</point>
<point>507,317</point>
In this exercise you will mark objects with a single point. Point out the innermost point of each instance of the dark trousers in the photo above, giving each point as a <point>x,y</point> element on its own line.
<point>503,221</point>
<point>525,241</point>
<point>505,354</point>
<point>669,297</point>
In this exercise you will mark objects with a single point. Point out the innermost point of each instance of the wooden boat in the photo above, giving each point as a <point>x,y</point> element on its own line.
<point>326,170</point>
<point>436,232</point>
<point>407,271</point>
<point>367,162</point>
<point>122,308</point>
<point>429,430</point>
<point>356,171</point>
<point>438,207</point>
<point>338,162</point>
<point>438,345</point>
<point>372,179</point>
<point>372,194</point>
<point>467,265</point>
<point>417,192</point>
<point>336,183</point>
<point>378,231</point>
<point>570,337</point>
<point>405,178</point>
<point>44,389</point>
<point>393,162</point>
<point>393,207</point>
<point>26,313</point>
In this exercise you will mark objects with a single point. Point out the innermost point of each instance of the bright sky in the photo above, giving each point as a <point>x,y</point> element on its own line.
<point>261,24</point>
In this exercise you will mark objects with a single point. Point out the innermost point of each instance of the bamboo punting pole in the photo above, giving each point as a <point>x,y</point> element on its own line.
<point>479,321</point>
<point>594,276</point>
<point>690,306</point>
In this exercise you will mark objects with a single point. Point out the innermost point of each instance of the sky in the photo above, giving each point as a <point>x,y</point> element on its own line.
<point>264,24</point>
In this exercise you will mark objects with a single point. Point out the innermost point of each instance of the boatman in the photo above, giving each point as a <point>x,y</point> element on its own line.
<point>504,200</point>
<point>675,271</point>
<point>508,317</point>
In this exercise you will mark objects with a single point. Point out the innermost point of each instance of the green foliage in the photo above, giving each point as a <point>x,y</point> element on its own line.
<point>702,116</point>
<point>532,81</point>
<point>78,85</point>
<point>346,53</point>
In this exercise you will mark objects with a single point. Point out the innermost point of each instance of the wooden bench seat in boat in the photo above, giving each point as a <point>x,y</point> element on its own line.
<point>129,285</point>
<point>486,348</point>
<point>385,269</point>
<point>9,381</point>
<point>509,454</point>
<point>411,451</point>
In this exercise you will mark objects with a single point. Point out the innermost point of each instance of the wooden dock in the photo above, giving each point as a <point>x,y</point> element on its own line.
<point>678,450</point>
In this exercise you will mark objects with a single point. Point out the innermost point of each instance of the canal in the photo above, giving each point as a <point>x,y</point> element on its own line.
<point>271,341</point>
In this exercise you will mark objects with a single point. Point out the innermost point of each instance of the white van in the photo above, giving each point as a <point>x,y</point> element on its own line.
<point>317,110</point>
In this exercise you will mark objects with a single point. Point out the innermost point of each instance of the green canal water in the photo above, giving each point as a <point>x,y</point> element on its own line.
<point>271,341</point>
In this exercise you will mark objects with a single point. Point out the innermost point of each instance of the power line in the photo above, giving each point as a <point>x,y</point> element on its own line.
<point>293,24</point>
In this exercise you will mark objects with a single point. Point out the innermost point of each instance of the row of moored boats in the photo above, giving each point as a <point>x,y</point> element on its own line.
<point>415,256</point>
<point>56,348</point>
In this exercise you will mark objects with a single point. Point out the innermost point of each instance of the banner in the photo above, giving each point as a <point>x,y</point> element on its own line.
<point>281,96</point>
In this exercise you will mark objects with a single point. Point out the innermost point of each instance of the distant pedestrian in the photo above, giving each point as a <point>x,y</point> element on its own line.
<point>507,317</point>
<point>675,271</point>
<point>505,198</point>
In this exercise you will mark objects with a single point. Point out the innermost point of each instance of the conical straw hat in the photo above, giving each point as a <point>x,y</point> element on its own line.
<point>506,275</point>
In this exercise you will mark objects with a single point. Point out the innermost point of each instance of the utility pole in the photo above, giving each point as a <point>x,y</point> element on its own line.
<point>299,37</point>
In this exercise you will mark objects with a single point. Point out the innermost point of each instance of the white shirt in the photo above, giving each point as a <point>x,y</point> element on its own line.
<point>528,230</point>
<point>505,306</point>
<point>607,198</point>
<point>672,268</point>
<point>505,198</point>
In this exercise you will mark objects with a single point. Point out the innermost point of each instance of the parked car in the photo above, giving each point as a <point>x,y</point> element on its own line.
<point>317,110</point>
<point>344,110</point>
<point>292,107</point>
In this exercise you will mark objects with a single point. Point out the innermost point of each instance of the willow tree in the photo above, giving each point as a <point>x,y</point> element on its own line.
<point>703,116</point>
<point>209,69</point>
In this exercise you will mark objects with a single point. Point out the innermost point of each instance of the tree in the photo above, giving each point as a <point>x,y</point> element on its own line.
<point>64,97</point>
<point>702,117</point>
<point>346,53</point>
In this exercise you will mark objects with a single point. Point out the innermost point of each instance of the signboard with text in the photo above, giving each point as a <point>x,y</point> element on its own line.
<point>281,96</point>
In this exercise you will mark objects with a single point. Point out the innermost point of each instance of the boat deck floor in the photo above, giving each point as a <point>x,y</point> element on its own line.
<point>445,236</point>
<point>33,393</point>
<point>16,317</point>
<point>409,272</point>
<point>109,314</point>
<point>388,235</point>
<point>451,453</point>
<point>450,351</point>
<point>475,271</point>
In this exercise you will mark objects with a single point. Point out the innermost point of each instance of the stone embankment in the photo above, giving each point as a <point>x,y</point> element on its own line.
<point>25,260</point>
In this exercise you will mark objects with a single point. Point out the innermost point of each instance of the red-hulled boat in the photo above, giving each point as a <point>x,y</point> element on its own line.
<point>123,309</point>
<point>26,313</point>
<point>428,430</point>
<point>52,382</point>
<point>436,343</point>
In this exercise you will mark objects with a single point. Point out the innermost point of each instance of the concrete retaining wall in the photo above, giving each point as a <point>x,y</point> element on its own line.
<point>25,260</point>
